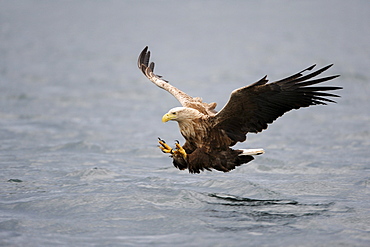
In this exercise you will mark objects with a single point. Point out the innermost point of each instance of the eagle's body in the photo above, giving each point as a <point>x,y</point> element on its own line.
<point>210,135</point>
<point>206,146</point>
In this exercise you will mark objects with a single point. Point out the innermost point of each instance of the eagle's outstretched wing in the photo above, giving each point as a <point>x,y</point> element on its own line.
<point>148,70</point>
<point>251,108</point>
<point>185,100</point>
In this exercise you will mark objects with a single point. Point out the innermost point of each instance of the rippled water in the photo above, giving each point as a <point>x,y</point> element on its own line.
<point>79,124</point>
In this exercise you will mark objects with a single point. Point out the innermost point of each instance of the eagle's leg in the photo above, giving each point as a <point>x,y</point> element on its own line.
<point>180,150</point>
<point>164,147</point>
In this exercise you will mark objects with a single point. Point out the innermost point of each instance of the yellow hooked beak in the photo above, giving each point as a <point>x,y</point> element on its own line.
<point>167,117</point>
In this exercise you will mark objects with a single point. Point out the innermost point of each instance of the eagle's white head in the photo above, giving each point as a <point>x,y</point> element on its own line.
<point>181,114</point>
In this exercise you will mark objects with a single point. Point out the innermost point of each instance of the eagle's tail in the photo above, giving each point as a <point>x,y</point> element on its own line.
<point>255,151</point>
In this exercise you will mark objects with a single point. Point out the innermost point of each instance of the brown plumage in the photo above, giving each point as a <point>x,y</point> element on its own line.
<point>209,135</point>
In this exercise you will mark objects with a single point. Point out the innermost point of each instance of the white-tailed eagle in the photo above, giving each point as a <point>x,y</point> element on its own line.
<point>210,135</point>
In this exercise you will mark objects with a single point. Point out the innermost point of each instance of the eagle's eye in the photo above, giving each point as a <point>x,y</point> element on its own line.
<point>173,113</point>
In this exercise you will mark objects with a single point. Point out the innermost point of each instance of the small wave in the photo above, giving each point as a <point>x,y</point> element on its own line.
<point>242,201</point>
<point>236,213</point>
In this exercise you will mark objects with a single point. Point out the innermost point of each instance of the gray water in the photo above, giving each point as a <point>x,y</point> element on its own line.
<point>79,124</point>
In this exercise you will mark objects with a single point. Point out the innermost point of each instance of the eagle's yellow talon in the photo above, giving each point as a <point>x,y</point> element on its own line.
<point>181,150</point>
<point>164,147</point>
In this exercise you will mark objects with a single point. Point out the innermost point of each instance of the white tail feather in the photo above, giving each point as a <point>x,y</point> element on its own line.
<point>255,151</point>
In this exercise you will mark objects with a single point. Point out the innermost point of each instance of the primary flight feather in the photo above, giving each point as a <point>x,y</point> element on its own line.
<point>210,135</point>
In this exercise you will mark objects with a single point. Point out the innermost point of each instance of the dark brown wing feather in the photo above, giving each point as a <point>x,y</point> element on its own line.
<point>251,108</point>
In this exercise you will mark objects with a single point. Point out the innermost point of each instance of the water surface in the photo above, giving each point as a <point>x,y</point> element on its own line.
<point>79,124</point>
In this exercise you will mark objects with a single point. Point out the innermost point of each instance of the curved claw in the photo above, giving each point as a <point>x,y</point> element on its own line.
<point>161,140</point>
<point>164,147</point>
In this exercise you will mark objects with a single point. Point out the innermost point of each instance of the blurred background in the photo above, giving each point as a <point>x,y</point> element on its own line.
<point>79,124</point>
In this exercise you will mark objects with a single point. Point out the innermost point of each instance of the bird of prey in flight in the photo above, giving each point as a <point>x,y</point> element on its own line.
<point>210,135</point>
